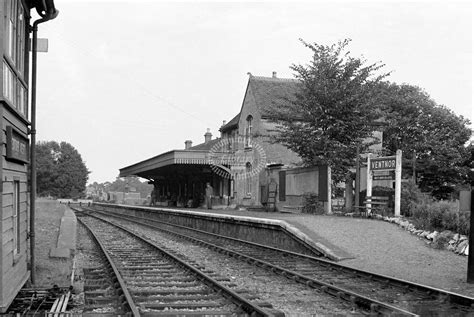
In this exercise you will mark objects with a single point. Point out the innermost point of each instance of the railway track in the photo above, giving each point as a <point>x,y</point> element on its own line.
<point>373,292</point>
<point>102,291</point>
<point>154,282</point>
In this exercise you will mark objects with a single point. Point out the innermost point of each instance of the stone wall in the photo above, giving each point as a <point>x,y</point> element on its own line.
<point>447,239</point>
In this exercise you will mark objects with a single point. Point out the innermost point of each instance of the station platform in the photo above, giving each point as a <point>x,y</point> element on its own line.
<point>377,246</point>
<point>66,243</point>
<point>372,245</point>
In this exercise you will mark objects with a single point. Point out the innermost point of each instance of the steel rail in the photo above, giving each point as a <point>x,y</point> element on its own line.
<point>346,295</point>
<point>310,248</point>
<point>452,297</point>
<point>128,298</point>
<point>445,296</point>
<point>127,217</point>
<point>239,301</point>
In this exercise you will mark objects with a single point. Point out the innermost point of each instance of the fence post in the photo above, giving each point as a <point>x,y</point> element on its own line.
<point>357,178</point>
<point>398,183</point>
<point>369,185</point>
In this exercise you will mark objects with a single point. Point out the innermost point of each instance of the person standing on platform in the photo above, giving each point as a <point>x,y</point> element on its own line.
<point>208,196</point>
<point>154,195</point>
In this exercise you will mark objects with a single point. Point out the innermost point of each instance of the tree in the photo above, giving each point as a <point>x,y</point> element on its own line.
<point>131,183</point>
<point>434,134</point>
<point>333,110</point>
<point>469,163</point>
<point>60,171</point>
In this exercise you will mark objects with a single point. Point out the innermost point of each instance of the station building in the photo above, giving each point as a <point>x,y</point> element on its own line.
<point>243,166</point>
<point>15,155</point>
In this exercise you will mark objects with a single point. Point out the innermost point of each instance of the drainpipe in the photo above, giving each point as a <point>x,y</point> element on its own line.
<point>49,14</point>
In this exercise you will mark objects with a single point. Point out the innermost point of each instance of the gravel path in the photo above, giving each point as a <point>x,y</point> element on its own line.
<point>380,247</point>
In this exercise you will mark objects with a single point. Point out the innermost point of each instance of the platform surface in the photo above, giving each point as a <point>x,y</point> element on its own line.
<point>66,244</point>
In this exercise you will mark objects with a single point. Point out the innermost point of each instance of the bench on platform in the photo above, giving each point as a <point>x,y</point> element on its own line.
<point>378,204</point>
<point>292,209</point>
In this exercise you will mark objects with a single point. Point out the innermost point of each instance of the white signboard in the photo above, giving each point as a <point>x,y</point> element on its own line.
<point>386,164</point>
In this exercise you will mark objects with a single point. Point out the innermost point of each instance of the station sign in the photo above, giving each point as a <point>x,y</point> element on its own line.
<point>388,163</point>
<point>17,146</point>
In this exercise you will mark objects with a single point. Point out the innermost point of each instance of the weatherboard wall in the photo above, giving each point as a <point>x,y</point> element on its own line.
<point>14,76</point>
<point>13,173</point>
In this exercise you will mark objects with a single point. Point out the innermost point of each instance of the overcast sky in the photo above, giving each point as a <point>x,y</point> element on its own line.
<point>127,80</point>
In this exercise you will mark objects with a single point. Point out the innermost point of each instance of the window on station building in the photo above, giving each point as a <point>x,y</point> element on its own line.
<point>21,103</point>
<point>14,91</point>
<point>16,54</point>
<point>248,131</point>
<point>8,83</point>
<point>230,141</point>
<point>248,179</point>
<point>20,41</point>
<point>11,26</point>
<point>16,217</point>
<point>234,137</point>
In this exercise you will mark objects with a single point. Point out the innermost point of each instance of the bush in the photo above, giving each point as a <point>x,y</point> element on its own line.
<point>410,195</point>
<point>442,240</point>
<point>464,222</point>
<point>436,214</point>
<point>440,216</point>
<point>420,214</point>
<point>450,221</point>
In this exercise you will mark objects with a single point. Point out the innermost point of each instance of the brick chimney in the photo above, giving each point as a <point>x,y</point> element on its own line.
<point>274,74</point>
<point>207,136</point>
<point>188,144</point>
<point>223,124</point>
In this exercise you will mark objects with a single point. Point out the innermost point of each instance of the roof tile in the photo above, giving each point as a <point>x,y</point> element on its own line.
<point>269,91</point>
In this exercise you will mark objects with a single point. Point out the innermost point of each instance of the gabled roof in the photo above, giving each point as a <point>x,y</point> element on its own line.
<point>231,124</point>
<point>269,91</point>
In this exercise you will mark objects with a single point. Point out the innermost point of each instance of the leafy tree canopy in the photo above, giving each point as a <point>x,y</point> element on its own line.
<point>433,133</point>
<point>60,171</point>
<point>129,184</point>
<point>125,184</point>
<point>469,163</point>
<point>333,110</point>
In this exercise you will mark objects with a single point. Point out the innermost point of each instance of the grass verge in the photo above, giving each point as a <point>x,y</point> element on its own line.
<point>49,271</point>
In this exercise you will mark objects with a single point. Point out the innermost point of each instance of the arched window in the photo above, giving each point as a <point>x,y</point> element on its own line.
<point>248,184</point>
<point>248,131</point>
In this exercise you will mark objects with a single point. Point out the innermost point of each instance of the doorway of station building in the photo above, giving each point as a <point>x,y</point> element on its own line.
<point>268,194</point>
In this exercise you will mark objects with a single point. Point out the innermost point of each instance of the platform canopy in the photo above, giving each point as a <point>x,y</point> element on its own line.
<point>165,163</point>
